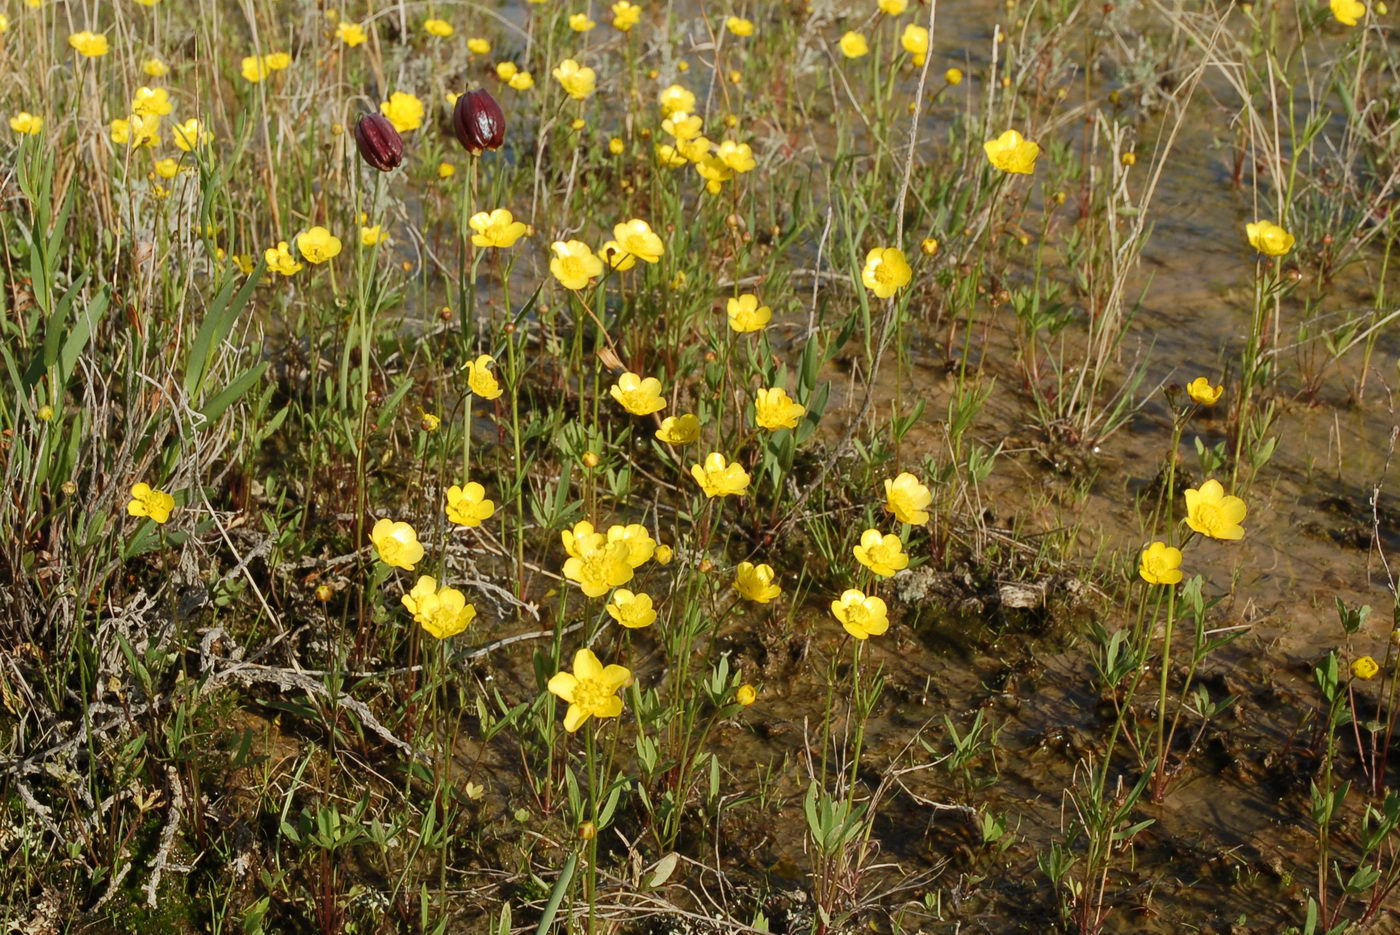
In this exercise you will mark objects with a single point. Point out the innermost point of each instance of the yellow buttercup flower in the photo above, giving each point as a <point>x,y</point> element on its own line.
<point>1160,564</point>
<point>908,499</point>
<point>280,260</point>
<point>1011,152</point>
<point>755,582</point>
<point>599,568</point>
<point>581,539</point>
<point>480,379</point>
<point>4,24</point>
<point>717,477</point>
<point>637,238</point>
<point>167,168</point>
<point>633,611</point>
<point>746,315</point>
<point>893,7</point>
<point>90,44</point>
<point>468,506</point>
<point>929,246</point>
<point>882,554</point>
<point>862,616</point>
<point>154,68</point>
<point>1202,392</point>
<point>737,156</point>
<point>253,69</point>
<point>1348,12</point>
<point>713,170</point>
<point>478,46</point>
<point>438,27</point>
<point>190,135</point>
<point>697,150</point>
<point>26,123</point>
<point>578,82</point>
<point>676,98</point>
<point>498,229</point>
<point>1364,668</point>
<point>590,690</point>
<point>506,70</point>
<point>746,695</point>
<point>886,271</point>
<point>953,76</point>
<point>739,26</point>
<point>443,612</point>
<point>318,245</point>
<point>574,264</point>
<point>150,502</point>
<point>372,234</point>
<point>446,170</point>
<point>397,544</point>
<point>617,146</point>
<point>679,430</point>
<point>914,40</point>
<point>151,101</point>
<point>853,45</point>
<point>638,396</point>
<point>137,130</point>
<point>774,409</point>
<point>640,545</point>
<point>429,422</point>
<point>683,126</point>
<point>616,258</point>
<point>1210,512</point>
<point>521,81</point>
<point>352,34</point>
<point>276,61</point>
<point>404,111</point>
<point>669,157</point>
<point>625,15</point>
<point>664,554</point>
<point>1268,238</point>
<point>579,22</point>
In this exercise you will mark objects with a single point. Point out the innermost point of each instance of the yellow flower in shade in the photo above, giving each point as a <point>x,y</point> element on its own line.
<point>253,69</point>
<point>637,238</point>
<point>137,130</point>
<point>190,135</point>
<point>581,539</point>
<point>633,611</point>
<point>276,61</point>
<point>506,70</point>
<point>578,82</point>
<point>1012,152</point>
<point>397,544</point>
<point>1268,238</point>
<point>773,409</point>
<point>427,421</point>
<point>929,246</point>
<point>167,168</point>
<point>574,264</point>
<point>676,98</point>
<point>615,257</point>
<point>154,68</point>
<point>478,46</point>
<point>884,555</point>
<point>244,262</point>
<point>147,501</point>
<point>886,271</point>
<point>625,15</point>
<point>640,545</point>
<point>318,245</point>
<point>443,612</point>
<point>739,26</point>
<point>853,45</point>
<point>352,34</point>
<point>1160,564</point>
<point>683,126</point>
<point>914,40</point>
<point>746,315</point>
<point>579,22</point>
<point>755,582</point>
<point>598,569</point>
<point>480,379</point>
<point>664,554</point>
<point>280,260</point>
<point>1364,668</point>
<point>953,76</point>
<point>679,430</point>
<point>668,156</point>
<point>641,397</point>
<point>371,235</point>
<point>521,81</point>
<point>746,695</point>
<point>1202,392</point>
<point>591,690</point>
<point>438,27</point>
<point>737,156</point>
<point>1348,12</point>
<point>617,146</point>
<point>26,123</point>
<point>468,506</point>
<point>404,111</point>
<point>1211,513</point>
<point>893,7</point>
<point>90,44</point>
<point>908,499</point>
<point>862,616</point>
<point>4,23</point>
<point>151,101</point>
<point>717,477</point>
<point>496,229</point>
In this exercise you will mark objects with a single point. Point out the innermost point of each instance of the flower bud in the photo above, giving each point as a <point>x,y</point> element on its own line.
<point>478,122</point>
<point>379,143</point>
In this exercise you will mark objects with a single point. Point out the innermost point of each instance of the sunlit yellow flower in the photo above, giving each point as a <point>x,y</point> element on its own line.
<point>167,168</point>
<point>893,7</point>
<point>372,234</point>
<point>664,554</point>
<point>908,499</point>
<point>521,81</point>
<point>882,554</point>
<point>746,695</point>
<point>755,582</point>
<point>633,611</point>
<point>668,156</point>
<point>446,170</point>
<point>318,245</point>
<point>638,396</point>
<point>154,68</point>
<point>1348,12</point>
<point>591,690</point>
<point>737,156</point>
<point>352,34</point>
<point>1268,238</point>
<point>4,24</point>
<point>914,40</point>
<point>499,229</point>
<point>1011,152</point>
<point>578,82</point>
<point>598,569</point>
<point>579,22</point>
<point>746,315</point>
<point>429,422</point>
<point>147,501</point>
<point>697,150</point>
<point>862,616</point>
<point>90,44</point>
<point>1364,668</point>
<point>478,46</point>
<point>437,27</point>
<point>1160,564</point>
<point>244,262</point>
<point>137,130</point>
<point>404,111</point>
<point>574,264</point>
<point>953,76</point>
<point>506,70</point>
<point>886,271</point>
<point>442,612</point>
<point>1202,392</point>
<point>682,125</point>
<point>625,15</point>
<point>280,260</point>
<point>853,45</point>
<point>640,545</point>
<point>616,258</point>
<point>253,68</point>
<point>581,539</point>
<point>151,101</point>
<point>739,26</point>
<point>190,134</point>
<point>397,544</point>
<point>637,238</point>
<point>676,98</point>
<point>719,478</point>
<point>480,379</point>
<point>468,506</point>
<point>774,409</point>
<point>276,61</point>
<point>679,430</point>
<point>616,146</point>
<point>1211,513</point>
<point>713,170</point>
<point>929,246</point>
<point>26,123</point>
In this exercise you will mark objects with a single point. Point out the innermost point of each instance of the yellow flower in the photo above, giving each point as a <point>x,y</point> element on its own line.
<point>929,246</point>
<point>633,611</point>
<point>638,396</point>
<point>190,134</point>
<point>574,264</point>
<point>506,70</point>
<point>679,430</point>
<point>478,46</point>
<point>862,616</point>
<point>886,271</point>
<point>438,27</point>
<point>893,7</point>
<point>713,171</point>
<point>747,694</point>
<point>1348,12</point>
<point>1202,392</point>
<point>167,168</point>
<point>774,409</point>
<point>739,26</point>
<point>1364,668</point>
<point>737,156</point>
<point>429,422</point>
<point>442,612</point>
<point>446,170</point>
<point>496,229</point>
<point>640,545</point>
<point>578,82</point>
<point>676,98</point>
<point>147,501</point>
<point>914,40</point>
<point>579,22</point>
<point>746,315</point>
<point>1268,238</point>
<point>755,582</point>
<point>683,126</point>
<point>318,245</point>
<point>953,76</point>
<point>1011,152</point>
<point>668,156</point>
<point>591,690</point>
<point>719,478</point>
<point>154,68</point>
<point>90,44</point>
<point>137,130</point>
<point>276,61</point>
<point>253,68</point>
<point>352,34</point>
<point>637,238</point>
<point>599,568</point>
<point>151,101</point>
<point>884,555</point>
<point>1211,513</point>
<point>697,150</point>
<point>468,506</point>
<point>371,235</point>
<point>664,554</point>
<point>4,23</point>
<point>581,539</point>
<point>397,544</point>
<point>908,499</point>
<point>853,45</point>
<point>615,257</point>
<point>521,81</point>
<point>280,260</point>
<point>26,123</point>
<point>244,262</point>
<point>480,379</point>
<point>404,111</point>
<point>625,15</point>
<point>1160,564</point>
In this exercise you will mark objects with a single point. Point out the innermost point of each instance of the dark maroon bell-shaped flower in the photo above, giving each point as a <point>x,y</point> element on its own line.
<point>378,141</point>
<point>478,122</point>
